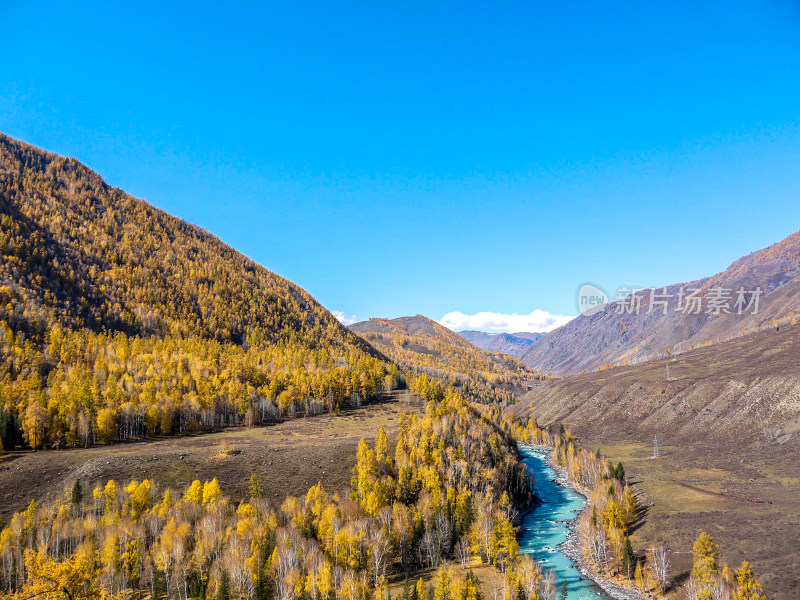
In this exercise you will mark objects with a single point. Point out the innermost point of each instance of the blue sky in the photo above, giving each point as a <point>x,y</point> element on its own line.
<point>402,158</point>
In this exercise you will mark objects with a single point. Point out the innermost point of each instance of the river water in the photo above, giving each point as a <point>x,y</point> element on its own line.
<point>543,528</point>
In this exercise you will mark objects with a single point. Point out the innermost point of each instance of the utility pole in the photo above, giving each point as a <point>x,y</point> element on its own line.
<point>667,371</point>
<point>655,446</point>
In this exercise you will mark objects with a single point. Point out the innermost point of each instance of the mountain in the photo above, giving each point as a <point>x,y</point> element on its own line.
<point>615,335</point>
<point>513,344</point>
<point>424,346</point>
<point>119,320</point>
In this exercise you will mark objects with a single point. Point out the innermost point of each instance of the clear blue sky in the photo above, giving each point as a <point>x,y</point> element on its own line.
<point>404,157</point>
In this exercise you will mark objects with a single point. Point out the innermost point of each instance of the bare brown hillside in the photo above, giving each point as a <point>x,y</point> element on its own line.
<point>748,386</point>
<point>613,335</point>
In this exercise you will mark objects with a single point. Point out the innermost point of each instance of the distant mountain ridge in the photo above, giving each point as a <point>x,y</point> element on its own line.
<point>513,344</point>
<point>612,336</point>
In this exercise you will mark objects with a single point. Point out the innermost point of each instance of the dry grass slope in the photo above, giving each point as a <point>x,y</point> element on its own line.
<point>288,458</point>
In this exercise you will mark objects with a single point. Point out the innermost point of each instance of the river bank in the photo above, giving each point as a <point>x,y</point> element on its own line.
<point>555,521</point>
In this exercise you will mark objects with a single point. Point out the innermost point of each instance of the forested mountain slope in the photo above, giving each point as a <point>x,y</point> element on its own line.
<point>119,320</point>
<point>423,346</point>
<point>621,335</point>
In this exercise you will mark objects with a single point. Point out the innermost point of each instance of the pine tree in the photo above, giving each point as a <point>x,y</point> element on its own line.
<point>194,495</point>
<point>564,591</point>
<point>473,587</point>
<point>638,576</point>
<point>381,447</point>
<point>110,494</point>
<point>405,594</point>
<point>628,558</point>
<point>223,591</point>
<point>705,565</point>
<point>420,591</point>
<point>211,491</point>
<point>77,494</point>
<point>706,558</point>
<point>255,487</point>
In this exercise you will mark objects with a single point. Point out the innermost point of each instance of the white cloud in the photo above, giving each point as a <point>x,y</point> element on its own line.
<point>344,318</point>
<point>537,321</point>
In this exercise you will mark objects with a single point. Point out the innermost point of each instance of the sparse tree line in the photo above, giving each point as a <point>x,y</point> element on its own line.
<point>603,527</point>
<point>710,580</point>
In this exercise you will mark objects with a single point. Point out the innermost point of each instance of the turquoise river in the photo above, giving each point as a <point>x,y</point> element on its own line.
<point>545,527</point>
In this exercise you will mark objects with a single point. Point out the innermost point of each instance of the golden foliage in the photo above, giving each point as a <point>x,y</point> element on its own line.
<point>450,476</point>
<point>118,321</point>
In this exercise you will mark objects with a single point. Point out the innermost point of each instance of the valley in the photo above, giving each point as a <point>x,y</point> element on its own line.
<point>188,387</point>
<point>729,447</point>
<point>512,344</point>
<point>422,346</point>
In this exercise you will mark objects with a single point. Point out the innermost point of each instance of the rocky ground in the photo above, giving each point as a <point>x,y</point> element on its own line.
<point>571,549</point>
